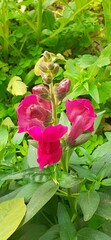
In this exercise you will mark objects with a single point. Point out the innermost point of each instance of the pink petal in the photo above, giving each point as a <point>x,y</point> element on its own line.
<point>36,133</point>
<point>54,133</point>
<point>49,155</point>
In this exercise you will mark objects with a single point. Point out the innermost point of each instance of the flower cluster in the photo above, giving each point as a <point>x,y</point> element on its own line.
<point>37,116</point>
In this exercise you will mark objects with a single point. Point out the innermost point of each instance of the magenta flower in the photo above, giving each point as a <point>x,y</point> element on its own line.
<point>81,114</point>
<point>49,148</point>
<point>33,111</point>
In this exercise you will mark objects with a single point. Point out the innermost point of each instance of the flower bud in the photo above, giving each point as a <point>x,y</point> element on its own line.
<point>79,140</point>
<point>51,66</point>
<point>47,56</point>
<point>47,78</point>
<point>62,88</point>
<point>56,69</point>
<point>41,91</point>
<point>43,67</point>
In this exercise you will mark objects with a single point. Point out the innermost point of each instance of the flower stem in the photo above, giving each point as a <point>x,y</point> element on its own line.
<point>39,21</point>
<point>54,115</point>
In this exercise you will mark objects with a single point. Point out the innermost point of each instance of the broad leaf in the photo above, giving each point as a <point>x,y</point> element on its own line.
<point>51,234</point>
<point>40,197</point>
<point>89,202</point>
<point>67,229</point>
<point>68,181</point>
<point>91,234</point>
<point>104,209</point>
<point>11,214</point>
<point>25,191</point>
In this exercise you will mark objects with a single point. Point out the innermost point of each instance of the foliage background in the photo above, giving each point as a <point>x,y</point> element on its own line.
<point>79,34</point>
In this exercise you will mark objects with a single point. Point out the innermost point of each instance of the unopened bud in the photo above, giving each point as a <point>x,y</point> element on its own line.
<point>47,78</point>
<point>43,67</point>
<point>62,88</point>
<point>47,56</point>
<point>79,140</point>
<point>56,69</point>
<point>51,66</point>
<point>41,91</point>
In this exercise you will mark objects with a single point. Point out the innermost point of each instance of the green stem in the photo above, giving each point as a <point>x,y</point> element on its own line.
<point>39,21</point>
<point>54,115</point>
<point>5,29</point>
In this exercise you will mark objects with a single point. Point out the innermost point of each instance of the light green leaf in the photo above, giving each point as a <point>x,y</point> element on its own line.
<point>64,120</point>
<point>89,202</point>
<point>87,60</point>
<point>8,122</point>
<point>91,234</point>
<point>3,137</point>
<point>32,155</point>
<point>40,197</point>
<point>103,61</point>
<point>106,182</point>
<point>67,229</point>
<point>18,138</point>
<point>93,91</point>
<point>11,214</point>
<point>16,86</point>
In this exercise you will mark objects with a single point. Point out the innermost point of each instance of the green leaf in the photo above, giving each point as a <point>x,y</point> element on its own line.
<point>93,91</point>
<point>104,209</point>
<point>103,61</point>
<point>84,173</point>
<point>106,182</point>
<point>31,231</point>
<point>25,191</point>
<point>102,150</point>
<point>91,234</point>
<point>32,155</point>
<point>40,197</point>
<point>11,214</point>
<point>67,229</point>
<point>104,91</point>
<point>51,234</point>
<point>3,137</point>
<point>102,166</point>
<point>98,121</point>
<point>64,120</point>
<point>49,19</point>
<point>87,60</point>
<point>89,202</point>
<point>68,181</point>
<point>18,138</point>
<point>16,86</point>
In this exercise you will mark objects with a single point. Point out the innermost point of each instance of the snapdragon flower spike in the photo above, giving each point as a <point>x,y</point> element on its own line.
<point>33,111</point>
<point>81,114</point>
<point>49,148</point>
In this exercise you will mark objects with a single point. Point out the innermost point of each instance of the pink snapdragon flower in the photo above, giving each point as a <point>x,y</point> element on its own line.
<point>81,114</point>
<point>33,111</point>
<point>49,148</point>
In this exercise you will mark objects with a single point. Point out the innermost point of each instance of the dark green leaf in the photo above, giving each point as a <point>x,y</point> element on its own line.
<point>89,202</point>
<point>40,197</point>
<point>67,229</point>
<point>91,234</point>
